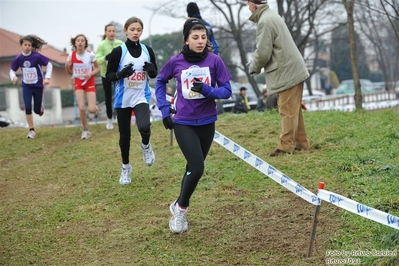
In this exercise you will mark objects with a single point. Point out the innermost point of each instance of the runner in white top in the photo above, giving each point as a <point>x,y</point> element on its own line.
<point>130,66</point>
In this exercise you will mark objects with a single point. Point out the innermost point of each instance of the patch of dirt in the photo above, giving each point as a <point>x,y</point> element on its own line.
<point>278,235</point>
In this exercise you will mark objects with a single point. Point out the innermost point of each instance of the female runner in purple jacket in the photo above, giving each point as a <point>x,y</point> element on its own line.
<point>201,77</point>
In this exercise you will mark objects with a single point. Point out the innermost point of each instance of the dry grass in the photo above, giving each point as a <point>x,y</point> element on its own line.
<point>62,204</point>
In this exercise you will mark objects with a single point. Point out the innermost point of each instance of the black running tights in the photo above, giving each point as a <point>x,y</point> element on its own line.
<point>124,116</point>
<point>107,85</point>
<point>194,142</point>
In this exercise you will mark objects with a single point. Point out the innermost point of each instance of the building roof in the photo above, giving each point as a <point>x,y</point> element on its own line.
<point>10,47</point>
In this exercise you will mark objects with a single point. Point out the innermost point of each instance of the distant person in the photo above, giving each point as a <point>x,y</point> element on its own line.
<point>193,12</point>
<point>266,102</point>
<point>241,104</point>
<point>102,54</point>
<point>130,66</point>
<point>328,89</point>
<point>201,77</point>
<point>31,63</point>
<point>83,66</point>
<point>285,71</point>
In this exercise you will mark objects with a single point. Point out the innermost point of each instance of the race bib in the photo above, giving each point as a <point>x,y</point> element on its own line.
<point>80,70</point>
<point>29,75</point>
<point>136,81</point>
<point>187,79</point>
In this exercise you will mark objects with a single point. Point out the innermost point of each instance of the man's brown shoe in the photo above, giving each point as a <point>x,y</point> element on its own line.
<point>277,153</point>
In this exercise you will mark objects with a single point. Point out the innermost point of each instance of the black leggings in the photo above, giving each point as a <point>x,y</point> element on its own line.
<point>142,113</point>
<point>107,85</point>
<point>194,142</point>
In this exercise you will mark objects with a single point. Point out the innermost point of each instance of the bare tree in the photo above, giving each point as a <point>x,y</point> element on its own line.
<point>237,25</point>
<point>378,30</point>
<point>349,7</point>
<point>305,20</point>
<point>309,22</point>
<point>299,15</point>
<point>394,5</point>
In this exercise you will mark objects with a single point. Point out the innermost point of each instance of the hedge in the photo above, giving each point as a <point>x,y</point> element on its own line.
<point>67,96</point>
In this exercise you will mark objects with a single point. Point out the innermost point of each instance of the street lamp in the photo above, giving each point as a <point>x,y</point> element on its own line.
<point>149,25</point>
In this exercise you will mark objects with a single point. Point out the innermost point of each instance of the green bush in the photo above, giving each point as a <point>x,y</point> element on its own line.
<point>67,96</point>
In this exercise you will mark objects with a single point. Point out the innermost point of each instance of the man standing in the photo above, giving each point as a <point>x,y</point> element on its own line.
<point>285,71</point>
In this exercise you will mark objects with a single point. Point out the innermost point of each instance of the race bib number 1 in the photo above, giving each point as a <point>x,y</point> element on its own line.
<point>29,75</point>
<point>187,79</point>
<point>80,70</point>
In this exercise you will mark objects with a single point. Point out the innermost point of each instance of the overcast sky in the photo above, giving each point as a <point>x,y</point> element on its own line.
<point>56,21</point>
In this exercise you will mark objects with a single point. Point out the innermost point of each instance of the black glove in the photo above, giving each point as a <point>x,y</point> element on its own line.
<point>168,122</point>
<point>149,68</point>
<point>197,85</point>
<point>172,111</point>
<point>107,57</point>
<point>126,71</point>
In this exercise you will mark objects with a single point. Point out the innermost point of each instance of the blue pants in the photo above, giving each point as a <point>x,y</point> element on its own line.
<point>36,93</point>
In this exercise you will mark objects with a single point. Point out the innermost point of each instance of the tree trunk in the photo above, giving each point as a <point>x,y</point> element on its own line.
<point>349,5</point>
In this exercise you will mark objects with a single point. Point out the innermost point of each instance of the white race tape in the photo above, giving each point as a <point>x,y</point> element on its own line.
<point>352,107</point>
<point>10,122</point>
<point>359,209</point>
<point>266,168</point>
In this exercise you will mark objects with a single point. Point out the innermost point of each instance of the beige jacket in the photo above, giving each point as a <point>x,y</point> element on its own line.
<point>276,52</point>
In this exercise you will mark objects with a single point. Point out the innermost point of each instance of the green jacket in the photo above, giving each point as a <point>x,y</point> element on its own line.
<point>276,52</point>
<point>104,48</point>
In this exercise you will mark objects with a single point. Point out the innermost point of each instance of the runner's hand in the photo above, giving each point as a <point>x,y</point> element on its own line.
<point>197,85</point>
<point>126,71</point>
<point>150,68</point>
<point>168,122</point>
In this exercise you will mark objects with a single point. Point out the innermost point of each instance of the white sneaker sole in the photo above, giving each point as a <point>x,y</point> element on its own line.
<point>153,157</point>
<point>122,182</point>
<point>185,227</point>
<point>109,126</point>
<point>152,162</point>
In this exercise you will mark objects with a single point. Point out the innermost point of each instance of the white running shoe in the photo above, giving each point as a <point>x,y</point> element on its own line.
<point>148,154</point>
<point>178,223</point>
<point>31,134</point>
<point>109,125</point>
<point>85,134</point>
<point>125,175</point>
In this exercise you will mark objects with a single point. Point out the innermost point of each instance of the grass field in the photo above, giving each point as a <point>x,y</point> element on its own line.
<point>62,204</point>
